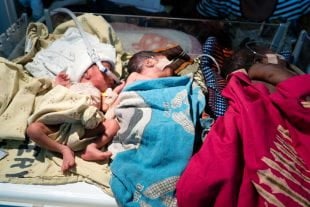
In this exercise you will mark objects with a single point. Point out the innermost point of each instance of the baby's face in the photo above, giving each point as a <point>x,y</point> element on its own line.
<point>99,79</point>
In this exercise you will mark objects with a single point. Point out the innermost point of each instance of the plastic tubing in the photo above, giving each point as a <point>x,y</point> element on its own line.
<point>91,51</point>
<point>213,59</point>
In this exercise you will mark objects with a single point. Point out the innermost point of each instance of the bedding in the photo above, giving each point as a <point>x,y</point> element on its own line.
<point>79,194</point>
<point>158,120</point>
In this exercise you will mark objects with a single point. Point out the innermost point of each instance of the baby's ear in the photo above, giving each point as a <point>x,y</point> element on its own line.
<point>150,62</point>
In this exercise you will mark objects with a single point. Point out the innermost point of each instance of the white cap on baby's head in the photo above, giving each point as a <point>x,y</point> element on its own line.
<point>82,62</point>
<point>105,52</point>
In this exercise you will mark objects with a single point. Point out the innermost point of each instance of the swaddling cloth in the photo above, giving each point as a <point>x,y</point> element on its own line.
<point>89,90</point>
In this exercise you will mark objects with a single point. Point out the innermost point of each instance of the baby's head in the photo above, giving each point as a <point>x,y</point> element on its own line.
<point>248,56</point>
<point>148,60</point>
<point>99,79</point>
<point>102,52</point>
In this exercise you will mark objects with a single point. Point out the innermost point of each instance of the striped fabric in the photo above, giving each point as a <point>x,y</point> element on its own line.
<point>214,82</point>
<point>286,10</point>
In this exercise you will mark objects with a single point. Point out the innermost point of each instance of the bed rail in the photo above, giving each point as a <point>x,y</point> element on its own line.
<point>13,38</point>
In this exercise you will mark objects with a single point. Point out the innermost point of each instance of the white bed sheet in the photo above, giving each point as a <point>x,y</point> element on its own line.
<point>74,194</point>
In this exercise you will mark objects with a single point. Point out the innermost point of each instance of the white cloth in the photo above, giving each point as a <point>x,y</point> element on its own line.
<point>69,53</point>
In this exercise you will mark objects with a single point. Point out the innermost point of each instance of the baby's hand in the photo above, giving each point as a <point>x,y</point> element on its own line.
<point>120,87</point>
<point>62,79</point>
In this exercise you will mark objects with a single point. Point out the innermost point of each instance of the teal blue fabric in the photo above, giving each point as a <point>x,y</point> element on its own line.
<point>147,174</point>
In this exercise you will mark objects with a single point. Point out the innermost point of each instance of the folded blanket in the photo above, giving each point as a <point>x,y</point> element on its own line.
<point>158,121</point>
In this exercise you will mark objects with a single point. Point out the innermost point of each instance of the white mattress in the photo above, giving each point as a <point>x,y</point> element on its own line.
<point>75,194</point>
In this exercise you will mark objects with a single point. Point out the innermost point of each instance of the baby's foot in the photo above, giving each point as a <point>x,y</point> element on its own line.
<point>94,154</point>
<point>68,159</point>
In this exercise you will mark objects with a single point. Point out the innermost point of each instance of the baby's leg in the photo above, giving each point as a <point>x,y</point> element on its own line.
<point>38,132</point>
<point>92,151</point>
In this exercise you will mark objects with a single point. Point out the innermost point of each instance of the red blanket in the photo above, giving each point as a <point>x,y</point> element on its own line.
<point>257,154</point>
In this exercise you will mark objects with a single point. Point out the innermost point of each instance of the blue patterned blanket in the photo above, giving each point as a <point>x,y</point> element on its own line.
<point>158,121</point>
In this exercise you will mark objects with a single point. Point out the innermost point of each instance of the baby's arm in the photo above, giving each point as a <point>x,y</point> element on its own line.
<point>134,76</point>
<point>270,73</point>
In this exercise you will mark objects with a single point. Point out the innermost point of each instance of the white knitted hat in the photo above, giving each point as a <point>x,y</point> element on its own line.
<point>105,52</point>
